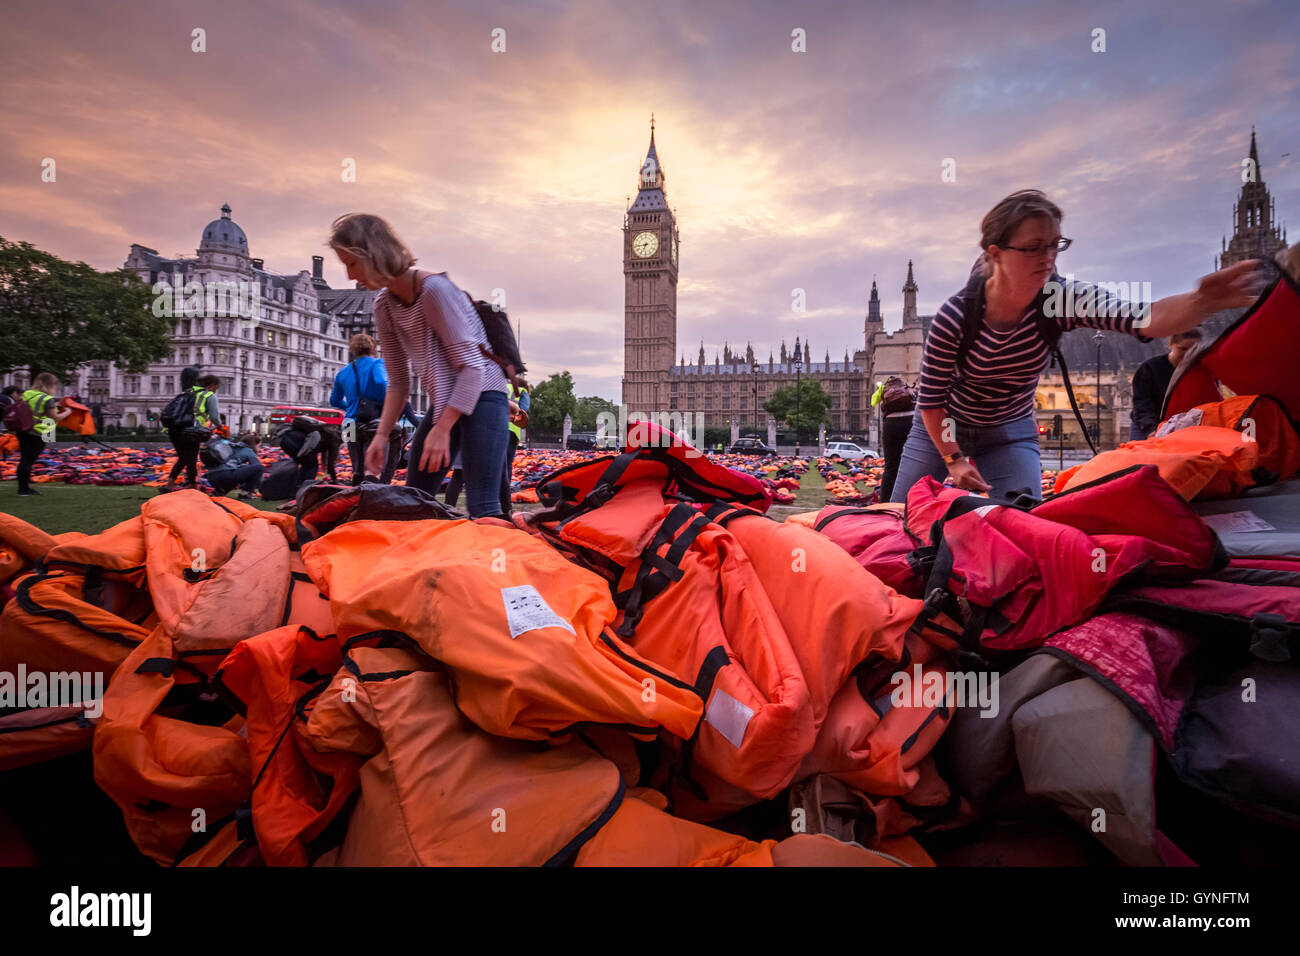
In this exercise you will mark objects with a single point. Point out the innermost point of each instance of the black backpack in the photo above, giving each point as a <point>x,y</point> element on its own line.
<point>368,410</point>
<point>179,412</point>
<point>500,336</point>
<point>1048,330</point>
<point>281,481</point>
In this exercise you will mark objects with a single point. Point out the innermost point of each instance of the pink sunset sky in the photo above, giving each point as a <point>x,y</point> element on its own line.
<point>813,170</point>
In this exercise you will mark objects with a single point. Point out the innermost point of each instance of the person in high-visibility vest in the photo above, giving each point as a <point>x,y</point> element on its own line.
<point>205,416</point>
<point>47,413</point>
<point>519,405</point>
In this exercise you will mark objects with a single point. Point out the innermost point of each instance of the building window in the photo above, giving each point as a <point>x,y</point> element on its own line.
<point>171,384</point>
<point>284,391</point>
<point>155,385</point>
<point>270,338</point>
<point>284,364</point>
<point>257,388</point>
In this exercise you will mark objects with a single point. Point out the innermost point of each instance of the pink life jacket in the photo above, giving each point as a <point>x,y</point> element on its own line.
<point>880,542</point>
<point>1253,356</point>
<point>1007,577</point>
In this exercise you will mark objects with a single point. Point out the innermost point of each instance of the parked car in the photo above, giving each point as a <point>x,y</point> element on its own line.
<point>589,440</point>
<point>849,451</point>
<point>751,446</point>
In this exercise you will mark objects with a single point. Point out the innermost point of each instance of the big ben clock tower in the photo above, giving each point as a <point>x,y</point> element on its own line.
<point>650,290</point>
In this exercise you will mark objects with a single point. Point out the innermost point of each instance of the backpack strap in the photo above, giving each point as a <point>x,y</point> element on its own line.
<point>1048,330</point>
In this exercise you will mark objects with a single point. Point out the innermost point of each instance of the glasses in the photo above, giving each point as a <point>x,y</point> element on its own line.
<point>1041,249</point>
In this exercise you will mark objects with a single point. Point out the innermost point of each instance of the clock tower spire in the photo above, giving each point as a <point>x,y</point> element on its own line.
<point>649,289</point>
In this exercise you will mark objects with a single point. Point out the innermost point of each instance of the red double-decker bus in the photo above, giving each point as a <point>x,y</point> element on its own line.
<point>282,415</point>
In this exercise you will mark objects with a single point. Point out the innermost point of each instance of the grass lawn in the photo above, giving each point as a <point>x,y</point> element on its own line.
<point>88,508</point>
<point>92,508</point>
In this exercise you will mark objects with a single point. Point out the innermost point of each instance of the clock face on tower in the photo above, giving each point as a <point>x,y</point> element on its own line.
<point>645,245</point>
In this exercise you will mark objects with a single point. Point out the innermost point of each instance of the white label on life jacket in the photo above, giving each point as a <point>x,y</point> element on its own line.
<point>985,510</point>
<point>526,611</point>
<point>729,716</point>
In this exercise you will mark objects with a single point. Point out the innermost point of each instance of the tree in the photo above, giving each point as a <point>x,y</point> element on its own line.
<point>813,405</point>
<point>584,417</point>
<point>550,401</point>
<point>56,315</point>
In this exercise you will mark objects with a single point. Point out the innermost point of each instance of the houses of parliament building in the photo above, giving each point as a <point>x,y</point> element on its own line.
<point>734,385</point>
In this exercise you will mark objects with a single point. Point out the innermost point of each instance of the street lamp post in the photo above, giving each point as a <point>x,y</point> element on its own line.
<point>243,386</point>
<point>1098,338</point>
<point>798,368</point>
<point>756,422</point>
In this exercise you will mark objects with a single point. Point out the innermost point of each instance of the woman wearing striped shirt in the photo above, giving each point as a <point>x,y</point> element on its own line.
<point>980,407</point>
<point>423,319</point>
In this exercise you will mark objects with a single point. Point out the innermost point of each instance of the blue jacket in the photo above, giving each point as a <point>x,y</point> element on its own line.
<point>374,380</point>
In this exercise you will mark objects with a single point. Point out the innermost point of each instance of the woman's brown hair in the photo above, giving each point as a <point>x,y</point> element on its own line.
<point>372,241</point>
<point>1001,222</point>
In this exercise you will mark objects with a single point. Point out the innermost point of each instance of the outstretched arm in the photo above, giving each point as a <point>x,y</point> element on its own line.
<point>1229,288</point>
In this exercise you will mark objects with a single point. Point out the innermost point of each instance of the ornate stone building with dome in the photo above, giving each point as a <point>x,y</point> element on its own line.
<point>288,356</point>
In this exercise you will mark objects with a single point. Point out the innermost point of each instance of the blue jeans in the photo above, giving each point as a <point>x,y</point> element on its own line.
<point>1006,456</point>
<point>247,477</point>
<point>481,440</point>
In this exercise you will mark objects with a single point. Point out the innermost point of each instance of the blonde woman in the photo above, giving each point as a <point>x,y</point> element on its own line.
<point>424,319</point>
<point>978,407</point>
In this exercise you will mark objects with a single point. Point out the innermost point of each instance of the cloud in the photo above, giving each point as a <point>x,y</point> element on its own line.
<point>813,171</point>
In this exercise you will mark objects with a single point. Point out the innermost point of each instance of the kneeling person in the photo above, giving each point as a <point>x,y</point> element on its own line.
<point>242,469</point>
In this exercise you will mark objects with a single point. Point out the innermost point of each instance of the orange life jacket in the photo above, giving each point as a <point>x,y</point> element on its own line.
<point>435,790</point>
<point>273,680</point>
<point>80,608</point>
<point>167,751</point>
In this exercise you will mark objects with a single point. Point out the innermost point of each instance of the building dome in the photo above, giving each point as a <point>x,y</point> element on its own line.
<point>224,234</point>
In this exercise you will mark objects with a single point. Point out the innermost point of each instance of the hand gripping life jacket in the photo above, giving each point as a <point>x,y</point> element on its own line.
<point>1004,577</point>
<point>74,617</point>
<point>524,633</point>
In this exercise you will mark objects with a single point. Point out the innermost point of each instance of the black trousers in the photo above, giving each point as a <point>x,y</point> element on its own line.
<point>357,452</point>
<point>511,448</point>
<point>30,447</point>
<point>893,436</point>
<point>187,456</point>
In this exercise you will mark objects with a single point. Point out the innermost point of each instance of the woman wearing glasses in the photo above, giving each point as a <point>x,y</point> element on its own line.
<point>979,407</point>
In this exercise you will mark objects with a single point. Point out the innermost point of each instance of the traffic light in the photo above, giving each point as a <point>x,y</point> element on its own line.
<point>1057,426</point>
<point>1042,430</point>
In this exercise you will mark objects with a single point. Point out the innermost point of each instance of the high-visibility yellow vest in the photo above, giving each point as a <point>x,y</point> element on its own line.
<point>36,400</point>
<point>515,393</point>
<point>201,416</point>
